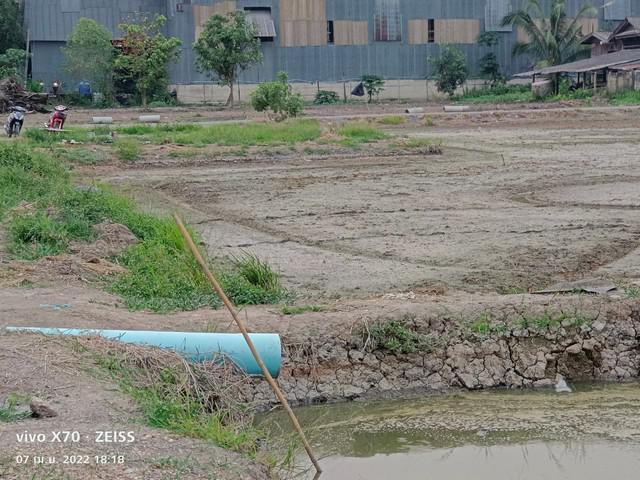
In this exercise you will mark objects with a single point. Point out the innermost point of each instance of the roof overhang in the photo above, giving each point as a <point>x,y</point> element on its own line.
<point>588,65</point>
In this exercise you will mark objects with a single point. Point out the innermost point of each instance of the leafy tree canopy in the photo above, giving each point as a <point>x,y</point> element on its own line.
<point>554,38</point>
<point>145,55</point>
<point>451,69</point>
<point>90,54</point>
<point>11,32</point>
<point>226,46</point>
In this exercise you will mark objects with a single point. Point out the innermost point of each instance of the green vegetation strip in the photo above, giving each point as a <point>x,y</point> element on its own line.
<point>46,212</point>
<point>128,139</point>
<point>523,94</point>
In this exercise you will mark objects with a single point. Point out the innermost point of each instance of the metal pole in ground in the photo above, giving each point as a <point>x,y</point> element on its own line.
<point>276,389</point>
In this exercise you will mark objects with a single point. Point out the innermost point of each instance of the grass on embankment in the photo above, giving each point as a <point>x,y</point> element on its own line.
<point>194,400</point>
<point>161,274</point>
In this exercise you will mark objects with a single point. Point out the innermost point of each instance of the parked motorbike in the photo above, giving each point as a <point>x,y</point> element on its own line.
<point>15,120</point>
<point>58,118</point>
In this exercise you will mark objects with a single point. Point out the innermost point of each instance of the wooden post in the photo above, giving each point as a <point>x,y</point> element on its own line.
<point>276,389</point>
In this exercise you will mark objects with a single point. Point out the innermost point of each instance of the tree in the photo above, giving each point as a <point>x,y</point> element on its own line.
<point>226,46</point>
<point>11,32</point>
<point>12,63</point>
<point>451,69</point>
<point>278,98</point>
<point>553,39</point>
<point>489,66</point>
<point>90,55</point>
<point>145,55</point>
<point>373,84</point>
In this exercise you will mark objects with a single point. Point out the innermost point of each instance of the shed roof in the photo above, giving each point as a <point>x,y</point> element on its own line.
<point>627,67</point>
<point>596,37</point>
<point>588,65</point>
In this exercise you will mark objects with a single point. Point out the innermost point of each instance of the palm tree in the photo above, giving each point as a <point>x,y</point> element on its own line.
<point>555,39</point>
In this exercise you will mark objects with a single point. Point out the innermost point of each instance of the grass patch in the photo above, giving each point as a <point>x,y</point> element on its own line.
<point>481,326</point>
<point>195,400</point>
<point>485,324</point>
<point>426,145</point>
<point>26,176</point>
<point>632,292</point>
<point>357,133</point>
<point>9,409</point>
<point>186,153</point>
<point>127,150</point>
<point>257,272</point>
<point>500,94</point>
<point>630,97</point>
<point>396,336</point>
<point>161,275</point>
<point>80,155</point>
<point>243,134</point>
<point>392,120</point>
<point>299,310</point>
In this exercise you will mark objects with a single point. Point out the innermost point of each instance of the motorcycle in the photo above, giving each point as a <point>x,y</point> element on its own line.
<point>57,119</point>
<point>15,120</point>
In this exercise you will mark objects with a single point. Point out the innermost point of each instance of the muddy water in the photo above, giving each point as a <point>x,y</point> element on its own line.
<point>592,433</point>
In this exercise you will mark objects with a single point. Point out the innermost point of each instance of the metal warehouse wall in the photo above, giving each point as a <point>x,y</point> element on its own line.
<point>53,20</point>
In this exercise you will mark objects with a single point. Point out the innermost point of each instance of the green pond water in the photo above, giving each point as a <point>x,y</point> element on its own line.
<point>592,433</point>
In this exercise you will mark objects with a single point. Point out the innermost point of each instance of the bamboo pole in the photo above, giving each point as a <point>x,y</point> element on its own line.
<point>274,386</point>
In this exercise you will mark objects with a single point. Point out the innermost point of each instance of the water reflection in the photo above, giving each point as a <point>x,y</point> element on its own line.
<point>589,434</point>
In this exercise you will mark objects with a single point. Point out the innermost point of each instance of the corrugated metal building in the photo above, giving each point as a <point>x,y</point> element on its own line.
<point>313,40</point>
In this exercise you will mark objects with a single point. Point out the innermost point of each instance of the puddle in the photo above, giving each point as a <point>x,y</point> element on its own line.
<point>592,433</point>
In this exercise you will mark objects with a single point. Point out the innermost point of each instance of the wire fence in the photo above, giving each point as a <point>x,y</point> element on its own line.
<point>395,89</point>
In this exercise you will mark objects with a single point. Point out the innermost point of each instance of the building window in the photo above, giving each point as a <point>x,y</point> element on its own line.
<point>387,20</point>
<point>330,34</point>
<point>262,21</point>
<point>431,31</point>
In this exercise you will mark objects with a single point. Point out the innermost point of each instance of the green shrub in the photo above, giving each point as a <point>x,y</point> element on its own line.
<point>128,150</point>
<point>326,97</point>
<point>451,69</point>
<point>278,99</point>
<point>373,84</point>
<point>258,272</point>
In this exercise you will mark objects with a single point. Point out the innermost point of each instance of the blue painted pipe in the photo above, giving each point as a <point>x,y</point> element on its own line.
<point>195,346</point>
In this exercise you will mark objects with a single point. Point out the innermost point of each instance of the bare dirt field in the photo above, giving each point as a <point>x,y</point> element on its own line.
<point>516,202</point>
